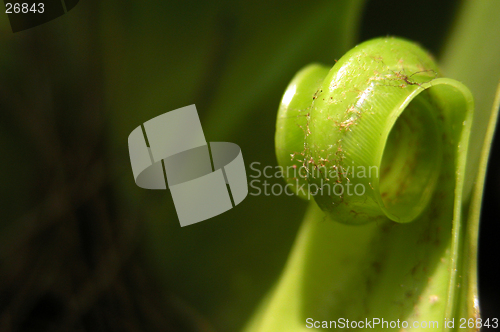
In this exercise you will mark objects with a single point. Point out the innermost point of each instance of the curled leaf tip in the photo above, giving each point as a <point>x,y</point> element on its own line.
<point>366,139</point>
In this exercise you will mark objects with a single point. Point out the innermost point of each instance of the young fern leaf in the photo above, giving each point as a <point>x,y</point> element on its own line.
<point>380,142</point>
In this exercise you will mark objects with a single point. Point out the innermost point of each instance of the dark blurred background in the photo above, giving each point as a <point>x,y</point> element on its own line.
<point>81,247</point>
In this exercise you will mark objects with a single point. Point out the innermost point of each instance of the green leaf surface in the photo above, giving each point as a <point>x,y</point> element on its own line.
<point>471,56</point>
<point>398,118</point>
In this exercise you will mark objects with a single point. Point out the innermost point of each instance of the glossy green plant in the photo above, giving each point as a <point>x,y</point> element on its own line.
<point>396,249</point>
<point>258,57</point>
